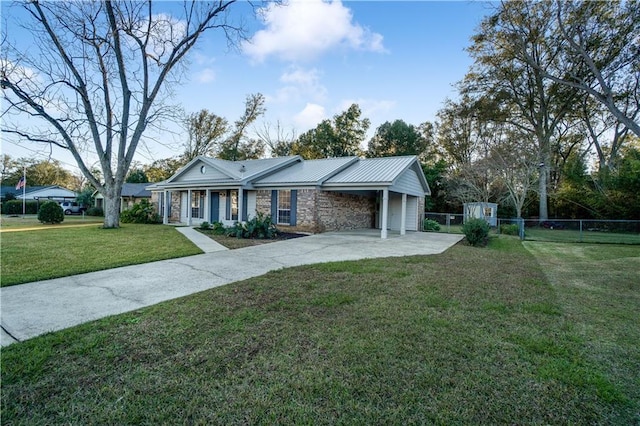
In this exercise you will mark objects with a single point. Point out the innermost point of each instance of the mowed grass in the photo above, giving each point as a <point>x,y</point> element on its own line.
<point>471,336</point>
<point>14,222</point>
<point>573,236</point>
<point>59,251</point>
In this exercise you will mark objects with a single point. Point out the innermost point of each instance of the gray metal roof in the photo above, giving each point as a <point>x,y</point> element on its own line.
<point>373,170</point>
<point>135,190</point>
<point>246,169</point>
<point>307,172</point>
<point>331,173</point>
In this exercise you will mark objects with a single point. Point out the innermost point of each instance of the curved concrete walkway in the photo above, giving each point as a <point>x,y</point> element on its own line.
<point>32,309</point>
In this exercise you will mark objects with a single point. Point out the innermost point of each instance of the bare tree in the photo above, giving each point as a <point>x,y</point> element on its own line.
<point>600,45</point>
<point>277,139</point>
<point>97,77</point>
<point>515,163</point>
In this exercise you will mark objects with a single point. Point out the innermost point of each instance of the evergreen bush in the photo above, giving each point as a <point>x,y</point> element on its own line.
<point>430,225</point>
<point>95,211</point>
<point>15,207</point>
<point>476,231</point>
<point>509,229</point>
<point>50,212</point>
<point>142,212</point>
<point>218,228</point>
<point>259,227</point>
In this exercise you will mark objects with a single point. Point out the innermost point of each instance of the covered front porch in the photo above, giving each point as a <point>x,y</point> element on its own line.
<point>194,206</point>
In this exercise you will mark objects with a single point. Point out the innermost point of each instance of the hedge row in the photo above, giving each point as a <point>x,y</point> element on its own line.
<point>15,207</point>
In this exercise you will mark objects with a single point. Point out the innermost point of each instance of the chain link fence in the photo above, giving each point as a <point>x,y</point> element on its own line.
<point>556,230</point>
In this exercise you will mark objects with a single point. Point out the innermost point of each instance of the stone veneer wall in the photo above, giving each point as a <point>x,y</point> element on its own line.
<point>338,211</point>
<point>321,211</point>
<point>176,199</point>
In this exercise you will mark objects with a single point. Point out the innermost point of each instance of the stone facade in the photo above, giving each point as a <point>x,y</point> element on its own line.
<point>317,210</point>
<point>322,211</point>
<point>174,215</point>
<point>338,211</point>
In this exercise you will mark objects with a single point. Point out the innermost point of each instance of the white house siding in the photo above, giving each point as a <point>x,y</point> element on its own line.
<point>395,213</point>
<point>412,214</point>
<point>195,174</point>
<point>408,183</point>
<point>222,211</point>
<point>184,205</point>
<point>251,204</point>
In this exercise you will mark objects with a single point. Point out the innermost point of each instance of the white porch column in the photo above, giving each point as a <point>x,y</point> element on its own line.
<point>189,221</point>
<point>166,198</point>
<point>403,220</point>
<point>207,206</point>
<point>385,213</point>
<point>240,199</point>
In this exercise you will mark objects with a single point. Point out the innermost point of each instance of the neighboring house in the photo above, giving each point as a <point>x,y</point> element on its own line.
<point>482,210</point>
<point>300,195</point>
<point>5,190</point>
<point>132,193</point>
<point>45,193</point>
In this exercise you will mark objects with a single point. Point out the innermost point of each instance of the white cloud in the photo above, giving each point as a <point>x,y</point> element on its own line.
<point>206,75</point>
<point>164,32</point>
<point>300,84</point>
<point>304,29</point>
<point>369,107</point>
<point>309,117</point>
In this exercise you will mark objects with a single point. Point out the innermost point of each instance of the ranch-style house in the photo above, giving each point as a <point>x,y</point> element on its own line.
<point>300,195</point>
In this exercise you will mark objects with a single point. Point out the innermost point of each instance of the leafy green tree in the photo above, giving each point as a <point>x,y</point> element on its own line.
<point>502,51</point>
<point>162,169</point>
<point>340,137</point>
<point>397,138</point>
<point>85,197</point>
<point>40,173</point>
<point>436,174</point>
<point>137,175</point>
<point>206,131</point>
<point>236,145</point>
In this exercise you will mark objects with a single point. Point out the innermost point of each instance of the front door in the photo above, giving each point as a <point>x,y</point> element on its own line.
<point>215,207</point>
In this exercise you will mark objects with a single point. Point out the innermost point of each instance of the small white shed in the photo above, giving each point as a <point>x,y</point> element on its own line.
<point>482,210</point>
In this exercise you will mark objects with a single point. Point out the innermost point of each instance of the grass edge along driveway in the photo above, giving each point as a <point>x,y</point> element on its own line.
<point>470,336</point>
<point>63,251</point>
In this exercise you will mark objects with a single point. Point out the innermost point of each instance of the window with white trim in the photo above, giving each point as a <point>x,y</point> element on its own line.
<point>234,205</point>
<point>197,199</point>
<point>284,207</point>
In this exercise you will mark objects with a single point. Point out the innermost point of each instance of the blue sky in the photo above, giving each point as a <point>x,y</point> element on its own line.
<point>397,60</point>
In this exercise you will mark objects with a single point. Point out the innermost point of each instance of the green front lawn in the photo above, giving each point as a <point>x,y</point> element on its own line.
<point>13,222</point>
<point>59,251</point>
<point>510,334</point>
<point>575,236</point>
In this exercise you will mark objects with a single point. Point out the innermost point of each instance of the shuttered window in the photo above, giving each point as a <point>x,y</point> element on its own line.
<point>284,207</point>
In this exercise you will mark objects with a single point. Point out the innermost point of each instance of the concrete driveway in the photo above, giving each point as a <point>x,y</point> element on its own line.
<point>32,309</point>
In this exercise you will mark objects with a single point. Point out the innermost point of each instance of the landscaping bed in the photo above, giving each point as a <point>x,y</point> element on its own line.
<point>235,243</point>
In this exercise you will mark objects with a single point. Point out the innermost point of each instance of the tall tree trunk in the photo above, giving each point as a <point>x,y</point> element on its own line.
<point>111,208</point>
<point>545,158</point>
